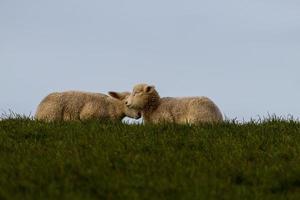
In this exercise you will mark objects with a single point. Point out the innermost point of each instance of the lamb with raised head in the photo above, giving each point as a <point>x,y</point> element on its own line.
<point>75,105</point>
<point>188,110</point>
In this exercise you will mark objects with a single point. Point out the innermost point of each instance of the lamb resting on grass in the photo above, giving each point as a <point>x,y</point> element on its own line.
<point>189,110</point>
<point>75,105</point>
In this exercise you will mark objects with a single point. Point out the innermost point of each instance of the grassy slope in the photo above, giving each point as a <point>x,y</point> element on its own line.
<point>116,161</point>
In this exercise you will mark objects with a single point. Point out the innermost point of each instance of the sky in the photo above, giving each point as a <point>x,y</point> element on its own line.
<point>243,54</point>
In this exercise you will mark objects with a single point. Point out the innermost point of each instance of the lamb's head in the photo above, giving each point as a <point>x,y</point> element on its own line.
<point>143,97</point>
<point>123,98</point>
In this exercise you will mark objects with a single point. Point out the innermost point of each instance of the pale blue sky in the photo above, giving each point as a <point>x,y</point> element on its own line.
<point>244,54</point>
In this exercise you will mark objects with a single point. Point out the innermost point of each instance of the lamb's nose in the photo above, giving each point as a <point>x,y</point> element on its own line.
<point>127,103</point>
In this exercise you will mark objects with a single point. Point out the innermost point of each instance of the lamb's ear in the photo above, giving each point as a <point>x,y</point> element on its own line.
<point>149,88</point>
<point>115,95</point>
<point>118,95</point>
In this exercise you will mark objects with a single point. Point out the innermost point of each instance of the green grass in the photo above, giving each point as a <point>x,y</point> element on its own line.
<point>105,160</point>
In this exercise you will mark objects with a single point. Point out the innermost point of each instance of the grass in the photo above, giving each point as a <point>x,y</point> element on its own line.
<point>106,160</point>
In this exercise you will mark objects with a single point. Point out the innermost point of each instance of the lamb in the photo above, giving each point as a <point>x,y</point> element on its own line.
<point>76,105</point>
<point>188,110</point>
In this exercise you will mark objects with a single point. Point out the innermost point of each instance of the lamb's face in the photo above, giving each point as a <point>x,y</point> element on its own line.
<point>140,96</point>
<point>123,97</point>
<point>130,112</point>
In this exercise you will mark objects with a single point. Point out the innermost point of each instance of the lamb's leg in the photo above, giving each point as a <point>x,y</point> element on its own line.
<point>89,111</point>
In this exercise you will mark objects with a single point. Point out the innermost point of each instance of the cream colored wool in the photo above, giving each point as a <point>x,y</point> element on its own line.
<point>75,105</point>
<point>188,110</point>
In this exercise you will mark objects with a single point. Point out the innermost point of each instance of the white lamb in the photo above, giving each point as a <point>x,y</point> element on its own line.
<point>75,105</point>
<point>188,110</point>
